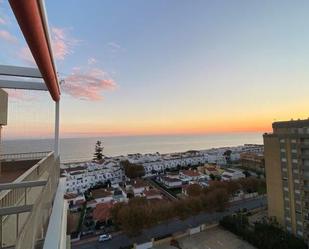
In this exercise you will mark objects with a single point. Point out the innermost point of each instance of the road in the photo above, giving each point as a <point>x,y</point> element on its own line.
<point>169,227</point>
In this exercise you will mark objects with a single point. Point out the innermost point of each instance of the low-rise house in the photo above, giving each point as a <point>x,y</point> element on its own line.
<point>119,195</point>
<point>190,175</point>
<point>153,194</point>
<point>102,212</point>
<point>138,187</point>
<point>232,174</point>
<point>102,195</point>
<point>171,182</point>
<point>92,204</point>
<point>211,170</point>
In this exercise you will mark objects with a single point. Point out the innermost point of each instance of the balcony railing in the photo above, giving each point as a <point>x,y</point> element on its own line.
<point>24,156</point>
<point>26,203</point>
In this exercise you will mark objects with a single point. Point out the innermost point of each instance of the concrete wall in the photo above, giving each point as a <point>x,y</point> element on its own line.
<point>146,245</point>
<point>3,107</point>
<point>274,178</point>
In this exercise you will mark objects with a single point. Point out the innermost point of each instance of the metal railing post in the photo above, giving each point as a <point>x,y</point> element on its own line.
<point>57,117</point>
<point>25,196</point>
<point>1,231</point>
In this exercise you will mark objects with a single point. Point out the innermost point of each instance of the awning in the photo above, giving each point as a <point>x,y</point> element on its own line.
<point>30,16</point>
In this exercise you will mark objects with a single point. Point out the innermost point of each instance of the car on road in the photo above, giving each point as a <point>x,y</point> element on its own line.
<point>105,237</point>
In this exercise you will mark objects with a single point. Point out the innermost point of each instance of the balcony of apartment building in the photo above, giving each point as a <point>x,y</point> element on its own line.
<point>31,191</point>
<point>32,208</point>
<point>304,143</point>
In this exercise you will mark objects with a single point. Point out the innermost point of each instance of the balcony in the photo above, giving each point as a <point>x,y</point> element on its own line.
<point>304,145</point>
<point>306,188</point>
<point>31,193</point>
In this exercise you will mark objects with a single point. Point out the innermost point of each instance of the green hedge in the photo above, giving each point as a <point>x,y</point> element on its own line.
<point>264,235</point>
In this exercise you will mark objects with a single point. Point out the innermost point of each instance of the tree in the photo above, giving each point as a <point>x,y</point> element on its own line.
<point>98,154</point>
<point>250,184</point>
<point>212,177</point>
<point>265,234</point>
<point>194,190</point>
<point>132,170</point>
<point>246,173</point>
<point>227,154</point>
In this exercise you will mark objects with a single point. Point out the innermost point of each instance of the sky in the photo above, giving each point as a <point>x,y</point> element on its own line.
<point>165,67</point>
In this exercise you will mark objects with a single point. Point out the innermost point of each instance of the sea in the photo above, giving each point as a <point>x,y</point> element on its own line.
<point>82,149</point>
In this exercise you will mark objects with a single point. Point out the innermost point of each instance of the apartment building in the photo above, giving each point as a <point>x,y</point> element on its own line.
<point>86,175</point>
<point>253,161</point>
<point>287,175</point>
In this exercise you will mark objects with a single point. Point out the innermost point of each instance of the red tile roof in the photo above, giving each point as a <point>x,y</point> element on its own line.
<point>190,173</point>
<point>100,193</point>
<point>139,183</point>
<point>69,196</point>
<point>211,169</point>
<point>151,192</point>
<point>79,202</point>
<point>102,211</point>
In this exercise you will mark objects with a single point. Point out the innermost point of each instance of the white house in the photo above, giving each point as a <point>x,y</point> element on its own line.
<point>171,182</point>
<point>190,175</point>
<point>232,174</point>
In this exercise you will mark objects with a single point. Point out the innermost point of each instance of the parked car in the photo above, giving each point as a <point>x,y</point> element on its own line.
<point>105,237</point>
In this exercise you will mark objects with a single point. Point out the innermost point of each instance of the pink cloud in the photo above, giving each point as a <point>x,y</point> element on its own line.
<point>2,21</point>
<point>88,85</point>
<point>61,43</point>
<point>5,35</point>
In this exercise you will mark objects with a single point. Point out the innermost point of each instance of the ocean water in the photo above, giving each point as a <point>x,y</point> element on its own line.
<point>79,149</point>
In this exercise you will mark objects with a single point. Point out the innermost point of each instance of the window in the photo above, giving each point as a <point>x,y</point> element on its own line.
<point>299,223</point>
<point>283,159</point>
<point>300,233</point>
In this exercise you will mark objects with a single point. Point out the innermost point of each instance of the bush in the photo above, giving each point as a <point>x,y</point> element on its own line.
<point>266,234</point>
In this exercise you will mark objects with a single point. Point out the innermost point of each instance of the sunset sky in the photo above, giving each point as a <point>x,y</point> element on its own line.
<point>166,66</point>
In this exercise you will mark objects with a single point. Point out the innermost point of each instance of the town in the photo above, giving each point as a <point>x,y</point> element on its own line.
<point>96,190</point>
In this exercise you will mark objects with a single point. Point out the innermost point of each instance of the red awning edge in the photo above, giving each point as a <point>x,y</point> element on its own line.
<point>29,18</point>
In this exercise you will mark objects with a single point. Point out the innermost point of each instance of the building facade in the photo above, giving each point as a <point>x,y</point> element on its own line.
<point>286,153</point>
